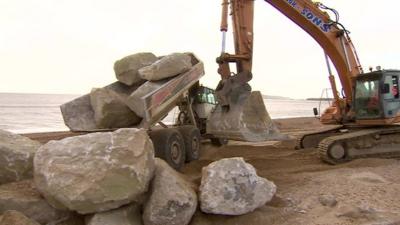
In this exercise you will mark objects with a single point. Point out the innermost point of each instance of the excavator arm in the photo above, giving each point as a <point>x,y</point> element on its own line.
<point>311,17</point>
<point>241,114</point>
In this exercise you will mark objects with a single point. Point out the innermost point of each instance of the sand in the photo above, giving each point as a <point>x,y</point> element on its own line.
<point>366,191</point>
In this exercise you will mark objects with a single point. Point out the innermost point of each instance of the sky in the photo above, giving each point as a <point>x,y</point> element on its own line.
<point>70,46</point>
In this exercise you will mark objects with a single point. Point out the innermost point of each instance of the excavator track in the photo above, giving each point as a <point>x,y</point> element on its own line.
<point>375,142</point>
<point>312,139</point>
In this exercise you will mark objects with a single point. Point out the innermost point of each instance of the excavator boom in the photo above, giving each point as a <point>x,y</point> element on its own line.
<point>368,99</point>
<point>233,91</point>
<point>313,18</point>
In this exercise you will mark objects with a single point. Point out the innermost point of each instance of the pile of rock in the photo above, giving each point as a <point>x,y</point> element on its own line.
<point>113,178</point>
<point>119,104</point>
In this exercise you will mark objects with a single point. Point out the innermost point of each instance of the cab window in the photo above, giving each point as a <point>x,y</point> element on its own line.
<point>206,95</point>
<point>395,87</point>
<point>367,99</point>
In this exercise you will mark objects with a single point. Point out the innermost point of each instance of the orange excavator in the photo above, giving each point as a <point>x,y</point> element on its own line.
<point>366,110</point>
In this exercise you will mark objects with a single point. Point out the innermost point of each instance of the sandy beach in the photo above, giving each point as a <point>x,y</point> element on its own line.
<point>364,191</point>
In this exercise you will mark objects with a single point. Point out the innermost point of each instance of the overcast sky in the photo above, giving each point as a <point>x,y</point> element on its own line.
<point>69,46</point>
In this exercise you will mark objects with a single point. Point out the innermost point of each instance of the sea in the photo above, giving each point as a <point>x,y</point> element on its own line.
<point>32,113</point>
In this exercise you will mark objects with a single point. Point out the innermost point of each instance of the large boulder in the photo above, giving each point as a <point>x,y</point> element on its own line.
<point>16,157</point>
<point>16,218</point>
<point>232,187</point>
<point>172,200</point>
<point>126,69</point>
<point>23,196</point>
<point>127,215</point>
<point>79,115</point>
<point>167,66</point>
<point>110,111</point>
<point>95,172</point>
<point>135,101</point>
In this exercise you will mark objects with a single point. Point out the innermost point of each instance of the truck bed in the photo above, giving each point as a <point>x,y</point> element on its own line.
<point>79,115</point>
<point>160,102</point>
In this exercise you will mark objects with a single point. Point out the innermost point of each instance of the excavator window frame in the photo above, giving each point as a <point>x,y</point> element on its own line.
<point>368,104</point>
<point>205,95</point>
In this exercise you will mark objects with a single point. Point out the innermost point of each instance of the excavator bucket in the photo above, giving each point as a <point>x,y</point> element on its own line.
<point>246,119</point>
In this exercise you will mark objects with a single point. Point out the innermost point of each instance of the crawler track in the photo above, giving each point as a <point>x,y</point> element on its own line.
<point>312,139</point>
<point>374,142</point>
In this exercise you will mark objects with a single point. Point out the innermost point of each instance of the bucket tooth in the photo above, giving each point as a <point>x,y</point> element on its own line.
<point>246,120</point>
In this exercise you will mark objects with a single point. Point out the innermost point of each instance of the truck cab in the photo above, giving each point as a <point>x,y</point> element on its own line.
<point>377,98</point>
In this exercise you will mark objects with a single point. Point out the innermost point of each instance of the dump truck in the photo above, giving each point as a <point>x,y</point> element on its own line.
<point>179,142</point>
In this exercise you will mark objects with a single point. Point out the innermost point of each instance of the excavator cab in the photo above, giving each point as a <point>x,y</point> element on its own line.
<point>377,97</point>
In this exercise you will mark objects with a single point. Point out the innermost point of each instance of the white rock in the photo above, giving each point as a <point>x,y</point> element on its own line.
<point>172,200</point>
<point>126,69</point>
<point>167,66</point>
<point>232,187</point>
<point>95,172</point>
<point>16,157</point>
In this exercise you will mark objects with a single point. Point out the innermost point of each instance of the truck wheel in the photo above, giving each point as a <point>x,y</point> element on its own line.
<point>219,141</point>
<point>169,145</point>
<point>191,137</point>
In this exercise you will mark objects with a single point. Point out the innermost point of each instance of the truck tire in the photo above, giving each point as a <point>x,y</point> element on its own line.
<point>219,141</point>
<point>169,145</point>
<point>191,137</point>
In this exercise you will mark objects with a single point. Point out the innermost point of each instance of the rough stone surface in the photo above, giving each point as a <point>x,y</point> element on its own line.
<point>327,200</point>
<point>16,218</point>
<point>23,197</point>
<point>126,69</point>
<point>134,101</point>
<point>232,187</point>
<point>16,156</point>
<point>167,66</point>
<point>172,200</point>
<point>127,215</point>
<point>95,172</point>
<point>110,111</point>
<point>247,118</point>
<point>79,115</point>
